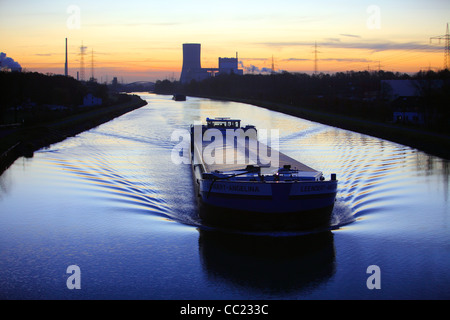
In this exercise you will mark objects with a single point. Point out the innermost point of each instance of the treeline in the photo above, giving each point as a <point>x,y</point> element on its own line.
<point>37,96</point>
<point>350,93</point>
<point>20,87</point>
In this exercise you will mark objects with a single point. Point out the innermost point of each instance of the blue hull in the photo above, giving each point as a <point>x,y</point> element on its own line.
<point>277,207</point>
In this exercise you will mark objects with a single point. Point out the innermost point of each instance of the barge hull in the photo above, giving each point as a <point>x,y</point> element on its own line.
<point>225,210</point>
<point>265,221</point>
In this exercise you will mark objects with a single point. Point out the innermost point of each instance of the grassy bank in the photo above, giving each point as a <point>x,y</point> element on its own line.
<point>427,141</point>
<point>24,140</point>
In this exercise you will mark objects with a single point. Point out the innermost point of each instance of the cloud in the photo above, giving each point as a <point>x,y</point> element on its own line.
<point>255,59</point>
<point>330,59</point>
<point>350,35</point>
<point>346,60</point>
<point>295,59</point>
<point>333,39</point>
<point>364,45</point>
<point>382,46</point>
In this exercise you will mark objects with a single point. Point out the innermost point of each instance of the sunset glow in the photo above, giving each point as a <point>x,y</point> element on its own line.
<point>142,40</point>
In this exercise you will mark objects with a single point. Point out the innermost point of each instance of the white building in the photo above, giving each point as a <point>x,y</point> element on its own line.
<point>90,100</point>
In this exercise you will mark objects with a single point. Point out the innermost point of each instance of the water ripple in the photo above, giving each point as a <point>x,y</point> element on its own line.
<point>373,176</point>
<point>95,177</point>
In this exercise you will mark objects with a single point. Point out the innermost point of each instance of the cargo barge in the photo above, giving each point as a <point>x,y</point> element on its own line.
<point>284,194</point>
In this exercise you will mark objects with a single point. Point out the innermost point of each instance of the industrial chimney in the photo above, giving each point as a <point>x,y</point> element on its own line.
<point>66,69</point>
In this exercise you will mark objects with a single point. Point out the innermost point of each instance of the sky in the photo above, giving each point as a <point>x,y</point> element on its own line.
<point>141,40</point>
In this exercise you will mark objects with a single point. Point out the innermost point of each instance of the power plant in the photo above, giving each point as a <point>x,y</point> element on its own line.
<point>192,69</point>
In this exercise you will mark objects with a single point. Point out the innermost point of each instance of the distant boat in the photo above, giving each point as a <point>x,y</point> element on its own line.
<point>179,97</point>
<point>258,197</point>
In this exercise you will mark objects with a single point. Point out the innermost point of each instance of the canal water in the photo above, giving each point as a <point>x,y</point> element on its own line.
<point>112,202</point>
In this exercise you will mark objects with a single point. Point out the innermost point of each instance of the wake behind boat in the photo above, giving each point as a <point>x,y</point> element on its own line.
<point>244,184</point>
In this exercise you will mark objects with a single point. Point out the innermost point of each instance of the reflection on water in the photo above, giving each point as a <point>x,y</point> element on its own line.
<point>111,201</point>
<point>277,265</point>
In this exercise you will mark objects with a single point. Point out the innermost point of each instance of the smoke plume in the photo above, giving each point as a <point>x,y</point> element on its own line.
<point>254,69</point>
<point>9,63</point>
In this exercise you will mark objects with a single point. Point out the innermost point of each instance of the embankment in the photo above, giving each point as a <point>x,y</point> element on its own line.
<point>418,138</point>
<point>24,141</point>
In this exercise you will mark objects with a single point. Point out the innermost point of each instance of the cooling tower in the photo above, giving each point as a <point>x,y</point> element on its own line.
<point>192,69</point>
<point>191,55</point>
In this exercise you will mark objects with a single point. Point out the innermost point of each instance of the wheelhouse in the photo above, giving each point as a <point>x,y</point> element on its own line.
<point>220,123</point>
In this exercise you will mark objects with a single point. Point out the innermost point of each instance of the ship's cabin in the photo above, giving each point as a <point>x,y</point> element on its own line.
<point>223,123</point>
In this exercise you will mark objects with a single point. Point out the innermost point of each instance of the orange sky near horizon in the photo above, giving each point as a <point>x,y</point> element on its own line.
<point>142,40</point>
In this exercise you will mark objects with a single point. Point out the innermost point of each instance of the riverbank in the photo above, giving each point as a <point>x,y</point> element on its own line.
<point>421,139</point>
<point>25,140</point>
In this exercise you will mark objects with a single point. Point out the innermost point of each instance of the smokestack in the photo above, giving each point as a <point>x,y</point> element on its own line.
<point>66,73</point>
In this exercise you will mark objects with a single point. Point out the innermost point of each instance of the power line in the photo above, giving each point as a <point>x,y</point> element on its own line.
<point>446,38</point>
